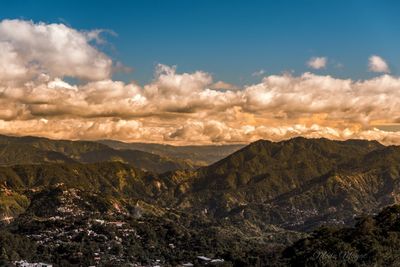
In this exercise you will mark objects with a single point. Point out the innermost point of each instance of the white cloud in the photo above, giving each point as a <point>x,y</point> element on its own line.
<point>54,49</point>
<point>11,64</point>
<point>317,62</point>
<point>181,108</point>
<point>378,64</point>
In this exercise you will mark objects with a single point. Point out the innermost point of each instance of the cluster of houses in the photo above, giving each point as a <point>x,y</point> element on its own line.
<point>60,235</point>
<point>71,223</point>
<point>24,263</point>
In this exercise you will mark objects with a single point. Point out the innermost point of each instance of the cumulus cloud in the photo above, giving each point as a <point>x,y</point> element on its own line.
<point>317,62</point>
<point>29,49</point>
<point>181,108</point>
<point>175,107</point>
<point>378,64</point>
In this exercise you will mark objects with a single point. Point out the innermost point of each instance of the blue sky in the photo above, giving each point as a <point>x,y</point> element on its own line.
<point>232,39</point>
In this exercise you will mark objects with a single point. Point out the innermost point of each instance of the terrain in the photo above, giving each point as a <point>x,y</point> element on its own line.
<point>76,203</point>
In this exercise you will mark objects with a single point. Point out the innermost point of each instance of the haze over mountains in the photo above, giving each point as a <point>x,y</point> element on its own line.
<point>200,155</point>
<point>264,193</point>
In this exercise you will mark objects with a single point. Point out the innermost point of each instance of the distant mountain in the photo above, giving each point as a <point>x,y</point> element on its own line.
<point>15,153</point>
<point>197,155</point>
<point>283,165</point>
<point>37,150</point>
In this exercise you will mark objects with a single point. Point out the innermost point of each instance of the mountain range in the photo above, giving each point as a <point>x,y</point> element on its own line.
<point>37,150</point>
<point>299,183</point>
<point>265,194</point>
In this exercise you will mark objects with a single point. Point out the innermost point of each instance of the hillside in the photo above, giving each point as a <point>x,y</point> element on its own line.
<point>119,183</point>
<point>68,213</point>
<point>37,150</point>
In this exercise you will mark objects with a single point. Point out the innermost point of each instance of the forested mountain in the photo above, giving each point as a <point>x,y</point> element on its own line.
<point>300,183</point>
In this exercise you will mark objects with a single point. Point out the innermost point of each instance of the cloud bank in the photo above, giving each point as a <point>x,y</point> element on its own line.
<point>177,108</point>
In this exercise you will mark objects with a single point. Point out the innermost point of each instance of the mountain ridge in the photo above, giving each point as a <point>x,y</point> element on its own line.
<point>38,150</point>
<point>318,173</point>
<point>265,194</point>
